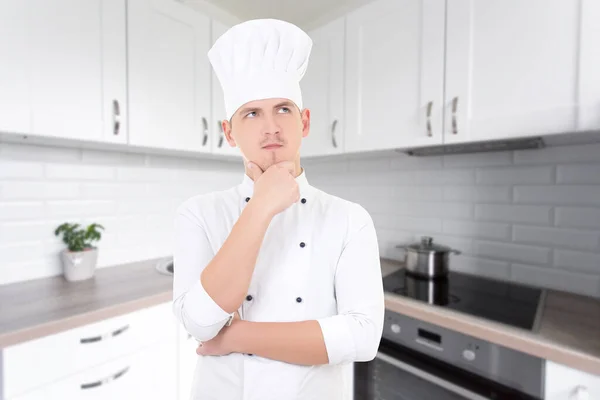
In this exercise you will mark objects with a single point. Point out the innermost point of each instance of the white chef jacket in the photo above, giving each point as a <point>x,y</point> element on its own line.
<point>319,260</point>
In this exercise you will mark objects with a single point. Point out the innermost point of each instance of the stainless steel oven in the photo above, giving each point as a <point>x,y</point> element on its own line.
<point>420,361</point>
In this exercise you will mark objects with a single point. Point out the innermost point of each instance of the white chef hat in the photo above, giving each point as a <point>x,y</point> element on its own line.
<point>260,59</point>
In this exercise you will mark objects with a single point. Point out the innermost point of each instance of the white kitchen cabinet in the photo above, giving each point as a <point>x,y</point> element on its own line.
<point>169,76</point>
<point>588,117</point>
<point>220,145</point>
<point>15,104</point>
<point>63,69</point>
<point>187,363</point>
<point>323,91</point>
<point>149,373</point>
<point>565,383</point>
<point>516,68</point>
<point>394,74</point>
<point>67,353</point>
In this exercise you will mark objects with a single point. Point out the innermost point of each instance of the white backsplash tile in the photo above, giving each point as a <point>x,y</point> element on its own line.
<point>558,195</point>
<point>512,252</point>
<point>515,175</point>
<point>558,237</point>
<point>20,169</point>
<point>577,260</point>
<point>531,216</point>
<point>490,230</point>
<point>493,194</point>
<point>80,172</point>
<point>578,174</point>
<point>578,217</point>
<point>556,279</point>
<point>42,190</point>
<point>540,215</point>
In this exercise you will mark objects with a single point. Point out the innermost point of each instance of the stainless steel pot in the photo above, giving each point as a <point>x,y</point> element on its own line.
<point>427,259</point>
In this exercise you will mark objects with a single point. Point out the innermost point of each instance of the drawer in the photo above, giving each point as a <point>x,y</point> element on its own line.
<point>149,373</point>
<point>565,383</point>
<point>41,361</point>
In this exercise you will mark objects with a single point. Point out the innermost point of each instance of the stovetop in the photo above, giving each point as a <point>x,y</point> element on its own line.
<point>500,301</point>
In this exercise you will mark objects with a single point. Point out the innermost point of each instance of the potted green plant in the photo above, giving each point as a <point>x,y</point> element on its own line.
<point>80,257</point>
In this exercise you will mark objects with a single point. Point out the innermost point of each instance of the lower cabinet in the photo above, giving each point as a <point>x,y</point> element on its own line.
<point>130,356</point>
<point>147,374</point>
<point>566,383</point>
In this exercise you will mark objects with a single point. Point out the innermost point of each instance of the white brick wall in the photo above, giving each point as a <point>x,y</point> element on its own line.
<point>132,195</point>
<point>531,216</point>
<point>527,216</point>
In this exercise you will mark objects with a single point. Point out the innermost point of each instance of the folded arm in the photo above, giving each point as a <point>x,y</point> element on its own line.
<point>207,287</point>
<point>351,335</point>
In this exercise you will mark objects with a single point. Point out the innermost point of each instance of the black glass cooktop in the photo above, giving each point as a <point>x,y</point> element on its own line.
<point>500,301</point>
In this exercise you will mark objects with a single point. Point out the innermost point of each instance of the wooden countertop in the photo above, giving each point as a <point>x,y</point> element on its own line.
<point>41,307</point>
<point>568,333</point>
<point>569,330</point>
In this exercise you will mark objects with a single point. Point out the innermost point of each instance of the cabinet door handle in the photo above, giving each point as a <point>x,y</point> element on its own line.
<point>220,136</point>
<point>98,338</point>
<point>429,107</point>
<point>333,140</point>
<point>104,381</point>
<point>454,108</point>
<point>205,131</point>
<point>116,117</point>
<point>580,393</point>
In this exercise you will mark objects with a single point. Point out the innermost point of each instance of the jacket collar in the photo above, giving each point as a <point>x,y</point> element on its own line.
<point>247,185</point>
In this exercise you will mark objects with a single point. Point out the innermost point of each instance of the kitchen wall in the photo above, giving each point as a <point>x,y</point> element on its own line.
<point>531,216</point>
<point>132,195</point>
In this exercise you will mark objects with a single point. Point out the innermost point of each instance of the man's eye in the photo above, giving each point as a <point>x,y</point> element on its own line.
<point>286,109</point>
<point>251,114</point>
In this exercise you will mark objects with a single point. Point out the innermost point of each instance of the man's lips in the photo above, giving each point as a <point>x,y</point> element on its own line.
<point>272,146</point>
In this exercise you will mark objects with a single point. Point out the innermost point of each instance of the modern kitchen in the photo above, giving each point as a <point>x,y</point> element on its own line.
<point>469,130</point>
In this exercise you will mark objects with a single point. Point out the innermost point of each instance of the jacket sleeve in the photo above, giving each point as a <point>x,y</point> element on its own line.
<point>192,306</point>
<point>355,332</point>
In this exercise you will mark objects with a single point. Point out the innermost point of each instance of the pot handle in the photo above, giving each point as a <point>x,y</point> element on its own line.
<point>405,247</point>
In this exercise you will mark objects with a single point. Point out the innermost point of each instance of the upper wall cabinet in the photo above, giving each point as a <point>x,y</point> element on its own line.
<point>323,91</point>
<point>15,105</point>
<point>219,143</point>
<point>63,69</point>
<point>169,76</point>
<point>394,74</point>
<point>520,68</point>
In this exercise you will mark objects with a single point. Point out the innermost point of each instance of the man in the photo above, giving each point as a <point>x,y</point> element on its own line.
<point>278,281</point>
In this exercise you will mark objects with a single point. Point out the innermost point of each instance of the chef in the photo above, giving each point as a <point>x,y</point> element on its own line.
<point>278,281</point>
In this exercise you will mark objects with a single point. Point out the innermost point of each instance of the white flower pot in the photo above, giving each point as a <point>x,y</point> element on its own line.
<point>79,265</point>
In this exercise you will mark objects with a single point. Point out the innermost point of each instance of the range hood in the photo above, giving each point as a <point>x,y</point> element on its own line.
<point>476,147</point>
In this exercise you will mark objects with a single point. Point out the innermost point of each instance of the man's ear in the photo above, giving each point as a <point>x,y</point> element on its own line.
<point>227,132</point>
<point>305,117</point>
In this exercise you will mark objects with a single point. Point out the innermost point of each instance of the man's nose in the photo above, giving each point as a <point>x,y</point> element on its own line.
<point>271,127</point>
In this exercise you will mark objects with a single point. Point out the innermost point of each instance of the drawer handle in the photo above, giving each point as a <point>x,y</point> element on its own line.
<point>116,119</point>
<point>94,339</point>
<point>429,107</point>
<point>104,381</point>
<point>333,140</point>
<point>580,393</point>
<point>221,136</point>
<point>454,109</point>
<point>204,131</point>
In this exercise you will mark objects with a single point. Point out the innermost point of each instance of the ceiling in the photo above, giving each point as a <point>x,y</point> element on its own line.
<point>304,13</point>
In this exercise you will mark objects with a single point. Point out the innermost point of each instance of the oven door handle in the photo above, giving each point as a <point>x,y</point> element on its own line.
<point>467,394</point>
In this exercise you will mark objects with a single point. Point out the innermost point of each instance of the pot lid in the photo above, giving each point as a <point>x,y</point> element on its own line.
<point>427,244</point>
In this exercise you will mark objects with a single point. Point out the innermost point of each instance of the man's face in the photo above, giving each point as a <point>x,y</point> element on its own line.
<point>268,131</point>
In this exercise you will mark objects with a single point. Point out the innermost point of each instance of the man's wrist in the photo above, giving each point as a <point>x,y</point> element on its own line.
<point>233,335</point>
<point>259,211</point>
